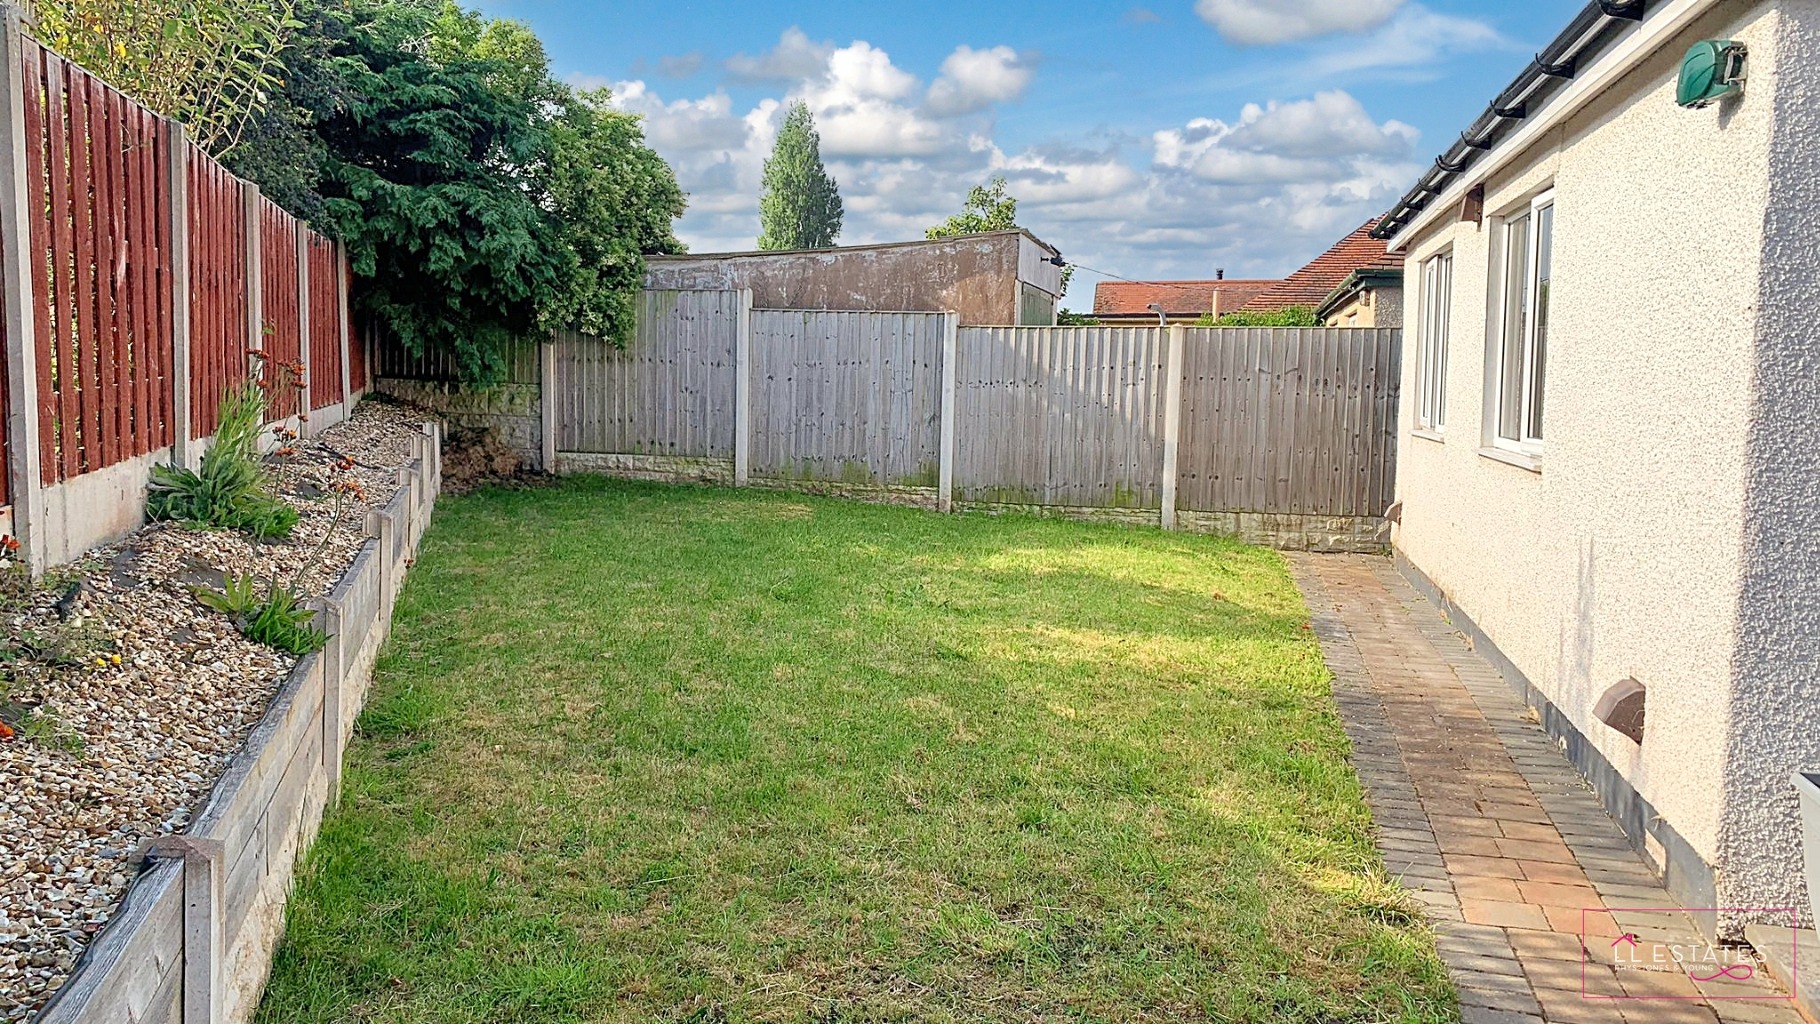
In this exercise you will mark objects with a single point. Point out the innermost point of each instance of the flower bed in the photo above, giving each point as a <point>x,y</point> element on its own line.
<point>125,697</point>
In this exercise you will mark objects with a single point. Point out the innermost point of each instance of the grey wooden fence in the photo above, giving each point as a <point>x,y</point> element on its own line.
<point>1060,416</point>
<point>669,392</point>
<point>1284,435</point>
<point>849,397</point>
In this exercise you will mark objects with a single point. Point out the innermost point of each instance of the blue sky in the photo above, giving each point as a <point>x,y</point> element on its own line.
<point>1153,140</point>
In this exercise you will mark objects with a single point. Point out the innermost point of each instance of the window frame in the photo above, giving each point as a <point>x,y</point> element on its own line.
<point>1436,329</point>
<point>1527,441</point>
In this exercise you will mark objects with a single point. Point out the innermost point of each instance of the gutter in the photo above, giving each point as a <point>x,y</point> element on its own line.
<point>1581,43</point>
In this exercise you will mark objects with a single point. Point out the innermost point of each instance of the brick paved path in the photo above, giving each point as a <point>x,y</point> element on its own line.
<point>1529,882</point>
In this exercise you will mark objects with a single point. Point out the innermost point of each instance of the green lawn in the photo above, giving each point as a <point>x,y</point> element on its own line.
<point>639,753</point>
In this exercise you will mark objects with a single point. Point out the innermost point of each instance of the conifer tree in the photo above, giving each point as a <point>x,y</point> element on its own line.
<point>801,207</point>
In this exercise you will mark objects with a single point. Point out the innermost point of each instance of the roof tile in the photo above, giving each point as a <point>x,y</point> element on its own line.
<point>1178,298</point>
<point>1311,285</point>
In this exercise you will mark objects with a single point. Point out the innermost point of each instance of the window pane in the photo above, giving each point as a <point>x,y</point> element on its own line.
<point>1423,329</point>
<point>1446,322</point>
<point>1516,328</point>
<point>1545,233</point>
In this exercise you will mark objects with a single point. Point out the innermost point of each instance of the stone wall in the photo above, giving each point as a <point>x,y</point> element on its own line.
<point>513,411</point>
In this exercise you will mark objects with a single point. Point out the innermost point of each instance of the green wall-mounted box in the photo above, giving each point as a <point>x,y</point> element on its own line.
<point>1711,71</point>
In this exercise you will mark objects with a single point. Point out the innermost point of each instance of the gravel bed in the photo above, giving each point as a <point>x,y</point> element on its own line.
<point>151,696</point>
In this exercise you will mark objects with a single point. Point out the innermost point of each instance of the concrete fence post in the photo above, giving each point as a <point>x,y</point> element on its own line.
<point>255,268</point>
<point>742,392</point>
<point>951,330</point>
<point>26,473</point>
<point>382,527</point>
<point>547,391</point>
<point>344,316</point>
<point>334,674</point>
<point>306,424</point>
<point>183,411</point>
<point>204,948</point>
<point>1172,419</point>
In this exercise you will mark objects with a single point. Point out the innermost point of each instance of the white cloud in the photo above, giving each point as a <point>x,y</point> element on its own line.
<point>794,57</point>
<point>972,80</point>
<point>1329,123</point>
<point>1318,139</point>
<point>858,108</point>
<point>1415,42</point>
<point>680,66</point>
<point>1258,191</point>
<point>1265,22</point>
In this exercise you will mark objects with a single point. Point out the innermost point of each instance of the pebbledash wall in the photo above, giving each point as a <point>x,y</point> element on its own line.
<point>1667,532</point>
<point>193,940</point>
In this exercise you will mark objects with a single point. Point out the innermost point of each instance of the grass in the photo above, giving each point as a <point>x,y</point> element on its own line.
<point>639,753</point>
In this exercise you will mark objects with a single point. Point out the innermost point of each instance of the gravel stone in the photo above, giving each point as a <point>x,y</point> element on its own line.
<point>140,742</point>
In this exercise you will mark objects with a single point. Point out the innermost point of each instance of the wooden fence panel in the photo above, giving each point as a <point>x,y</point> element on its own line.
<point>669,392</point>
<point>847,397</point>
<point>218,288</point>
<point>96,165</point>
<point>360,342</point>
<point>283,340</point>
<point>325,323</point>
<point>1067,416</point>
<point>1298,421</point>
<point>392,359</point>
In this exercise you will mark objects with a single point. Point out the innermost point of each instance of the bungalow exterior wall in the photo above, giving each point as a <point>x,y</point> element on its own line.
<point>1625,549</point>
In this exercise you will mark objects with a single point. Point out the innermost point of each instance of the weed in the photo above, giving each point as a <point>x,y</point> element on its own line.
<point>231,491</point>
<point>273,616</point>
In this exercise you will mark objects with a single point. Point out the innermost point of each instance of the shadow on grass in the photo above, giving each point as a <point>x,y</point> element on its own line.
<point>650,753</point>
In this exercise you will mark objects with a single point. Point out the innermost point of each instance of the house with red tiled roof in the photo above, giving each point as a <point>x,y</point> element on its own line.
<point>1345,268</point>
<point>1129,302</point>
<point>1371,296</point>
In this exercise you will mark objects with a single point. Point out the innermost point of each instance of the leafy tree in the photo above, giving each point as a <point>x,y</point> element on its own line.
<point>426,177</point>
<point>988,208</point>
<point>481,199</point>
<point>801,207</point>
<point>211,64</point>
<point>617,201</point>
<point>1288,316</point>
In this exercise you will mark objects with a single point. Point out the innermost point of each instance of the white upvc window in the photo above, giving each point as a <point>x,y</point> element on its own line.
<point>1523,335</point>
<point>1431,344</point>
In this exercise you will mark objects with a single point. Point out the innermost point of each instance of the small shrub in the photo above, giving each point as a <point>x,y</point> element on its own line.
<point>1289,316</point>
<point>273,617</point>
<point>231,491</point>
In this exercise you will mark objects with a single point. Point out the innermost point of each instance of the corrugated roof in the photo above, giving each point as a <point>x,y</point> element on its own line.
<point>1311,285</point>
<point>1178,298</point>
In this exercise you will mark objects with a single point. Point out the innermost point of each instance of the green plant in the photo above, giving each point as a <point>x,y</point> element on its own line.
<point>208,63</point>
<point>481,198</point>
<point>230,491</point>
<point>801,207</point>
<point>273,618</point>
<point>988,208</point>
<point>1289,316</point>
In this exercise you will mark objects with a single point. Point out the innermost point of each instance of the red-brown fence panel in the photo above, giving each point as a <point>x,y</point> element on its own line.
<point>325,322</point>
<point>218,292</point>
<point>6,430</point>
<point>283,336</point>
<point>357,356</point>
<point>96,165</point>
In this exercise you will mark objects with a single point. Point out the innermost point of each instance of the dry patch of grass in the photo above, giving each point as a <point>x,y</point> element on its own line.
<point>641,753</point>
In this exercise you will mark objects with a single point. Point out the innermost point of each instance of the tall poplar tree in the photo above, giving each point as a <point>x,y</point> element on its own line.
<point>801,207</point>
